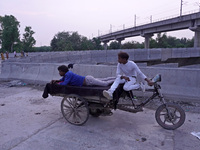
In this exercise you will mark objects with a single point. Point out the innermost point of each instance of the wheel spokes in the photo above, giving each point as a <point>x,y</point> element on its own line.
<point>68,113</point>
<point>170,116</point>
<point>75,110</point>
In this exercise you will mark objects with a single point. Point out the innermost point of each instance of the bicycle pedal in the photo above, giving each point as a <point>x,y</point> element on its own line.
<point>138,109</point>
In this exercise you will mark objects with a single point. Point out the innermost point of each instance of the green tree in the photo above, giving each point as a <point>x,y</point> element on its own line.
<point>190,42</point>
<point>172,41</point>
<point>127,45</point>
<point>75,40</point>
<point>152,43</point>
<point>87,44</point>
<point>28,40</point>
<point>132,45</point>
<point>114,45</point>
<point>61,42</point>
<point>162,41</point>
<point>41,49</point>
<point>71,41</point>
<point>10,33</point>
<point>97,43</point>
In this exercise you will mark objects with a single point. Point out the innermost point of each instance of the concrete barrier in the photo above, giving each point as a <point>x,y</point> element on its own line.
<point>141,54</point>
<point>108,56</point>
<point>46,72</point>
<point>30,73</point>
<point>166,54</point>
<point>16,69</point>
<point>154,54</point>
<point>98,71</point>
<point>5,70</point>
<point>181,82</point>
<point>194,52</point>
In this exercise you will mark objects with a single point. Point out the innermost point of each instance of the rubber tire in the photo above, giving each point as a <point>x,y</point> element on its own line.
<point>95,113</point>
<point>77,112</point>
<point>170,106</point>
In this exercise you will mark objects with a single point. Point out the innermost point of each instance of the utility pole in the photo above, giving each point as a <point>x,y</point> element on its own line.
<point>135,21</point>
<point>198,4</point>
<point>181,8</point>
<point>151,19</point>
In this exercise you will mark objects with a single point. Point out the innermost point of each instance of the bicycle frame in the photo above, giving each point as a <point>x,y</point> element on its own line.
<point>157,92</point>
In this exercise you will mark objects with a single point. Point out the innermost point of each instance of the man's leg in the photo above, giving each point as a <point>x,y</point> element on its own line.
<point>107,79</point>
<point>90,80</point>
<point>53,89</point>
<point>131,85</point>
<point>109,93</point>
<point>46,90</point>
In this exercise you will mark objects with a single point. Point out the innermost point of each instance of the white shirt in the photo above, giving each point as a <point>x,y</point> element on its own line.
<point>129,69</point>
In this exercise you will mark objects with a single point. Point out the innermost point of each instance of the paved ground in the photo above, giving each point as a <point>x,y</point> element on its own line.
<point>28,122</point>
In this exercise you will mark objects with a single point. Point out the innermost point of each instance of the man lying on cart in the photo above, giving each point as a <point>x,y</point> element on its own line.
<point>72,79</point>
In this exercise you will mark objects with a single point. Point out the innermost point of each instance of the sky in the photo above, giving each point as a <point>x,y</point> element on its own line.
<point>91,18</point>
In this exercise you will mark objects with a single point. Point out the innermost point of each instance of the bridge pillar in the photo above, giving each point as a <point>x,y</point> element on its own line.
<point>146,42</point>
<point>105,45</point>
<point>196,36</point>
<point>120,41</point>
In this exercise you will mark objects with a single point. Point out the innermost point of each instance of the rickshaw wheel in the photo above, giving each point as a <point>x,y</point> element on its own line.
<point>170,116</point>
<point>75,109</point>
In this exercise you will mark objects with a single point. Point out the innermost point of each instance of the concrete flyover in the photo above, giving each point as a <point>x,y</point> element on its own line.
<point>191,21</point>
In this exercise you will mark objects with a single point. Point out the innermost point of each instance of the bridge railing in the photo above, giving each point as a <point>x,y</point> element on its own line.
<point>145,23</point>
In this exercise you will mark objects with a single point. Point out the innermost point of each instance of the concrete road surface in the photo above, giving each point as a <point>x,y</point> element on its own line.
<point>29,122</point>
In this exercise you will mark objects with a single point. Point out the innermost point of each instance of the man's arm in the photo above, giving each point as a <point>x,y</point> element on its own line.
<point>126,78</point>
<point>118,72</point>
<point>150,83</point>
<point>67,78</point>
<point>54,81</point>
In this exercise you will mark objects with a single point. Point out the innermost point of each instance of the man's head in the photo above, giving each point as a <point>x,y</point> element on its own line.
<point>123,57</point>
<point>62,70</point>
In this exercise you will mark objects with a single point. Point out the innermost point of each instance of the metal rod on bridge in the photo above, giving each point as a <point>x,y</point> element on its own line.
<point>181,8</point>
<point>135,21</point>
